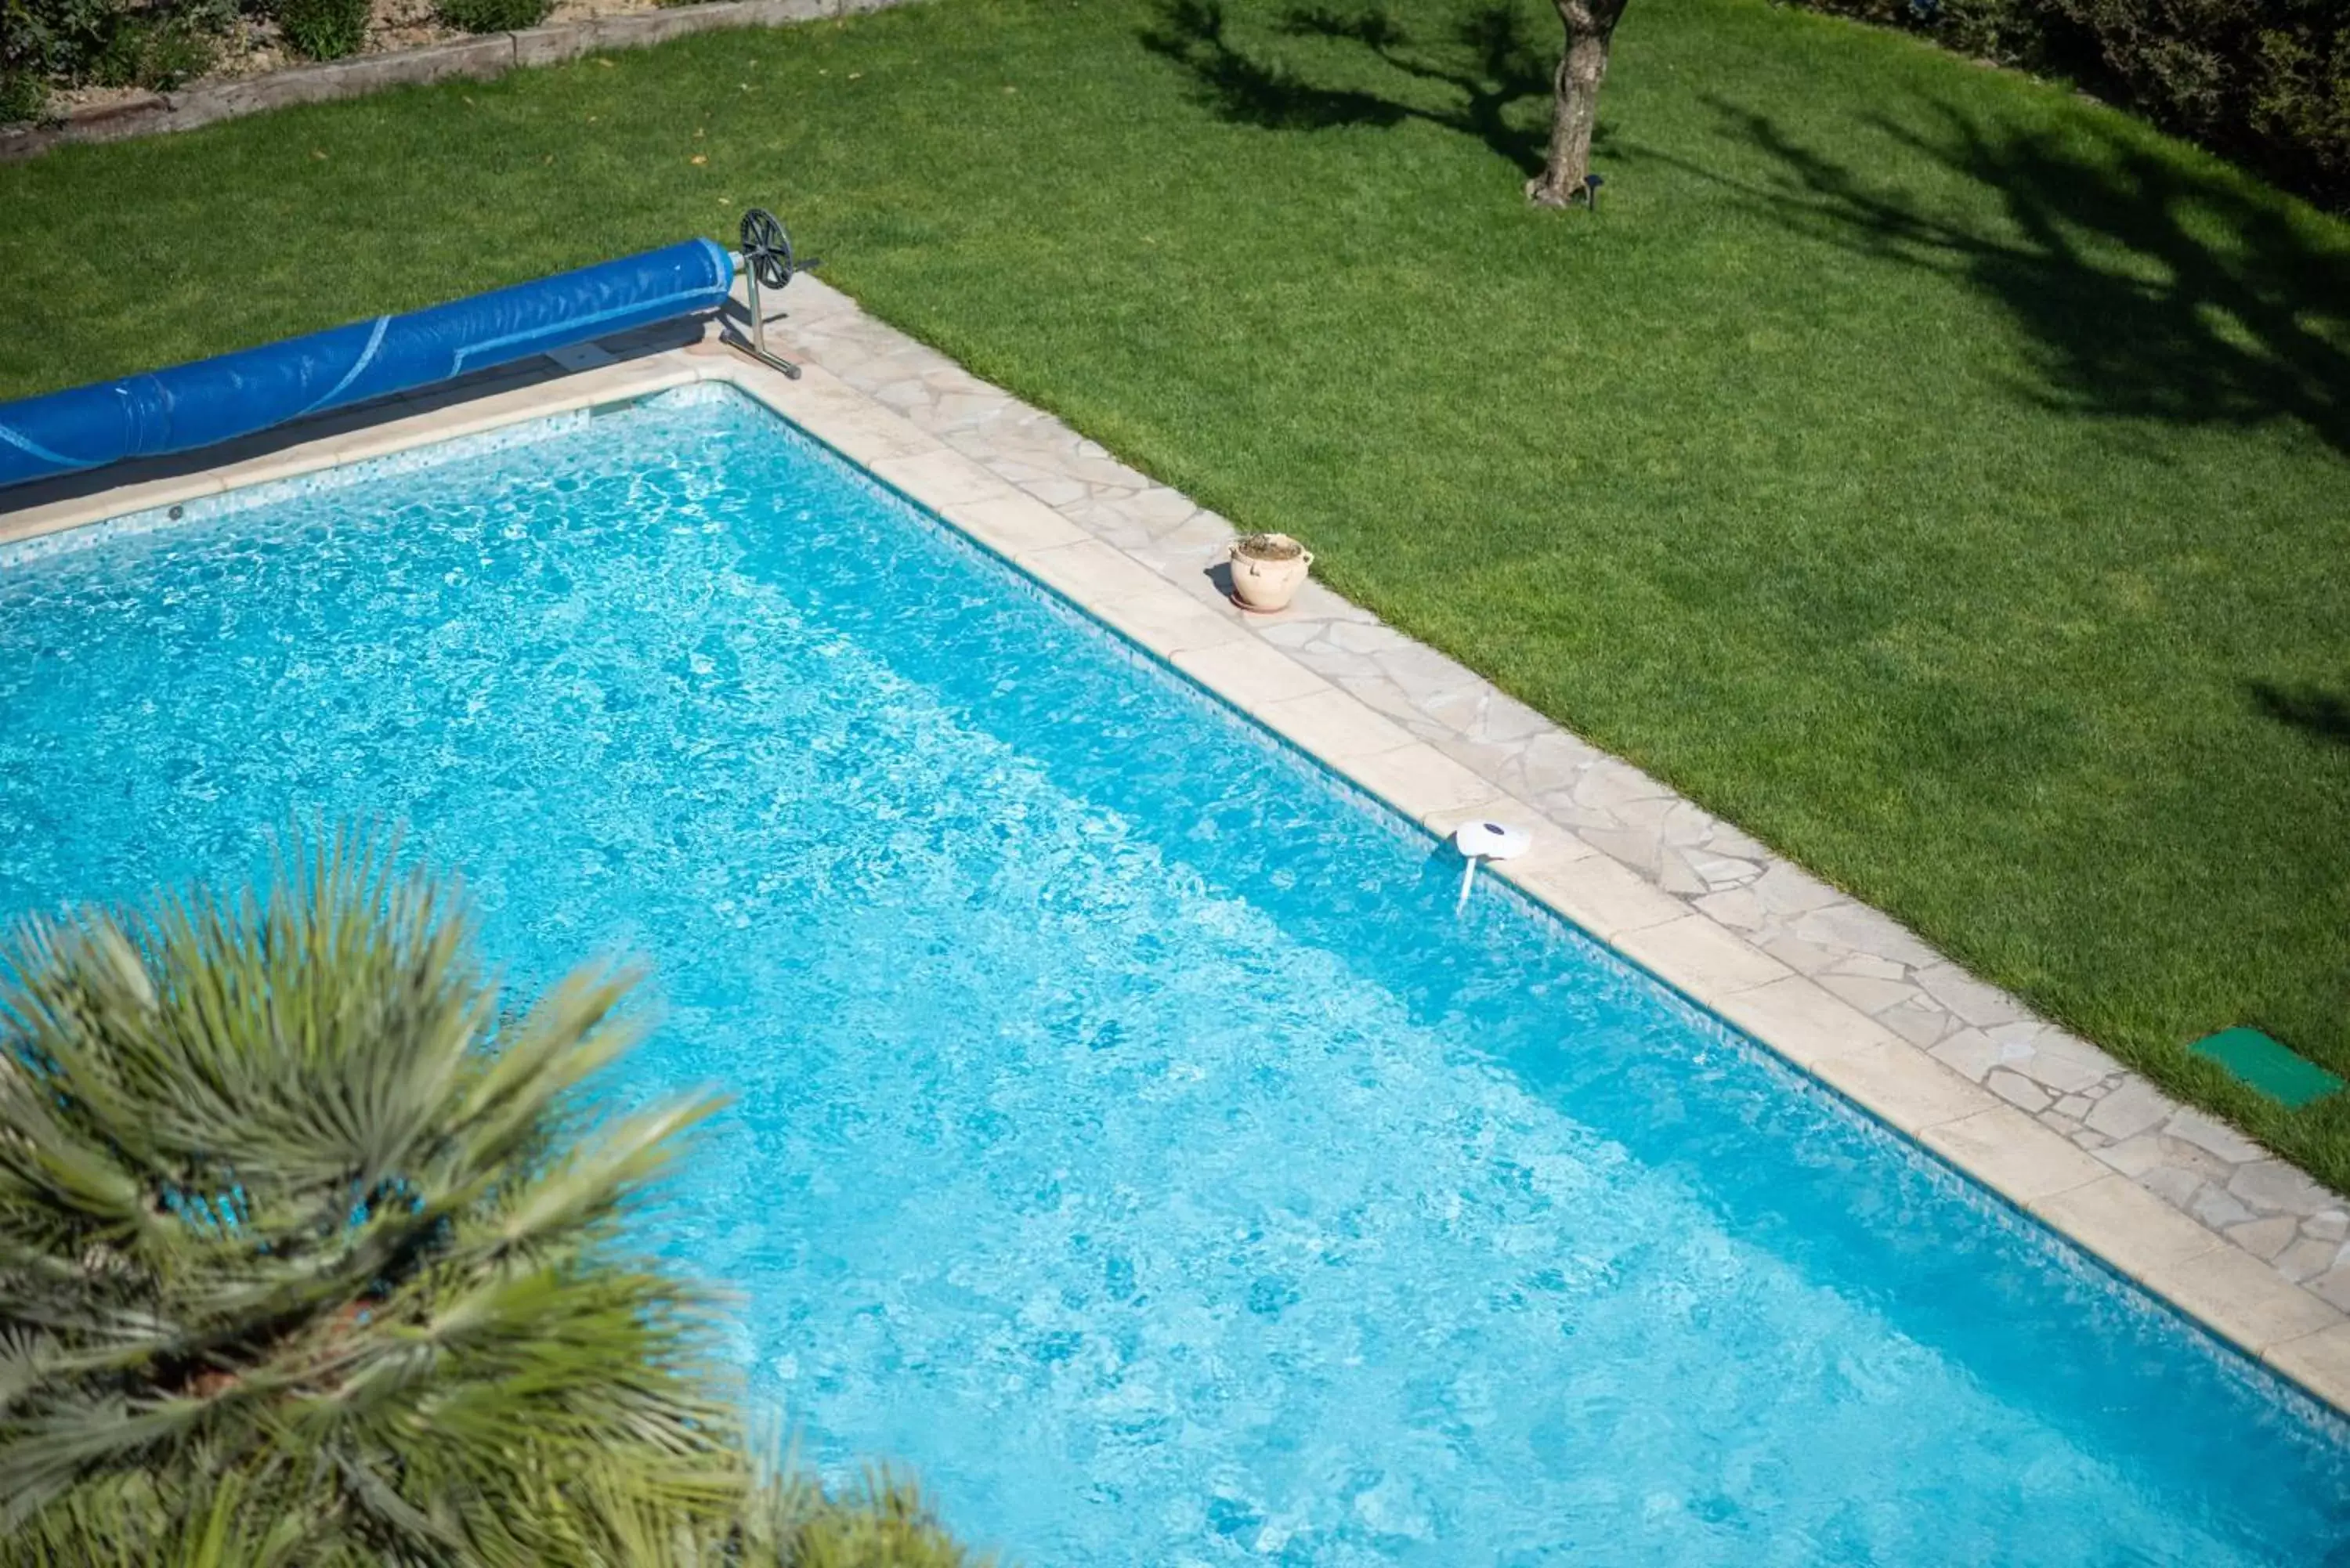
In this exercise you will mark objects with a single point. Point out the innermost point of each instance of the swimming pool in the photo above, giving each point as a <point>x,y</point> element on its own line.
<point>1129,1134</point>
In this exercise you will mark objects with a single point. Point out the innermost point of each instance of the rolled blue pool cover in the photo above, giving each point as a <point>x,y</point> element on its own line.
<point>236,394</point>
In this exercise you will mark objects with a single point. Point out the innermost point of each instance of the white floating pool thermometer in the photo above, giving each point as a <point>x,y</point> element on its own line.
<point>1486,841</point>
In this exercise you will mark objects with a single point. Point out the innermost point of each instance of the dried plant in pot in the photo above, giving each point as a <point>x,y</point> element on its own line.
<point>1267,569</point>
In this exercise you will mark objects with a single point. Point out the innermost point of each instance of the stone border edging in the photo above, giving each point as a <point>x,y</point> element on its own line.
<point>1130,553</point>
<point>479,58</point>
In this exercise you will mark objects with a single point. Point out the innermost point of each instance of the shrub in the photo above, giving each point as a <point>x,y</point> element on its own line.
<point>275,1217</point>
<point>160,54</point>
<point>323,29</point>
<point>157,43</point>
<point>493,15</point>
<point>2303,103</point>
<point>45,40</point>
<point>305,1263</point>
<point>2264,82</point>
<point>791,1522</point>
<point>23,96</point>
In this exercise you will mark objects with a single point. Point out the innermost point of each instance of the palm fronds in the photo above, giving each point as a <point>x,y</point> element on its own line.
<point>292,1227</point>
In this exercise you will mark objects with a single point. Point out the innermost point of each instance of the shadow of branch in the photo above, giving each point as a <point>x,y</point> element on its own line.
<point>1487,64</point>
<point>2323,715</point>
<point>1250,91</point>
<point>2148,290</point>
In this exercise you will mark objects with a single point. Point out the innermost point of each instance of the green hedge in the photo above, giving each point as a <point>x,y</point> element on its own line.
<point>2266,82</point>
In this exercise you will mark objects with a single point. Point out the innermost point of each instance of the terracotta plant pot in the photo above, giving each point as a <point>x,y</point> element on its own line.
<point>1267,569</point>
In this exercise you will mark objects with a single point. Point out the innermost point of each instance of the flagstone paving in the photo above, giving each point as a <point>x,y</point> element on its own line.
<point>2192,1162</point>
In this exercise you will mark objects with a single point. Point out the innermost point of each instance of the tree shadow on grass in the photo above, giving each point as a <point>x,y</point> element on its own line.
<point>2323,715</point>
<point>1487,62</point>
<point>2150,290</point>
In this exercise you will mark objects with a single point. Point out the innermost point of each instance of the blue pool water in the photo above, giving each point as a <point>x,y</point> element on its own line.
<point>1127,1135</point>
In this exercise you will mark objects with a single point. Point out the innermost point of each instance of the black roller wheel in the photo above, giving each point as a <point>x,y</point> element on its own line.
<point>766,249</point>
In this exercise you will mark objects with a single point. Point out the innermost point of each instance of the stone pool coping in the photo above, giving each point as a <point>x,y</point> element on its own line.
<point>2183,1205</point>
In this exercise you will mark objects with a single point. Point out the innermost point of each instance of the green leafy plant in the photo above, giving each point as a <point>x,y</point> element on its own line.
<point>307,1263</point>
<point>299,1244</point>
<point>2267,81</point>
<point>323,29</point>
<point>23,97</point>
<point>791,1522</point>
<point>156,53</point>
<point>45,40</point>
<point>114,42</point>
<point>493,15</point>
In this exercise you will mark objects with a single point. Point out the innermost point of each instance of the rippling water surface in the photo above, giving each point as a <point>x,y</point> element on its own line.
<point>1127,1134</point>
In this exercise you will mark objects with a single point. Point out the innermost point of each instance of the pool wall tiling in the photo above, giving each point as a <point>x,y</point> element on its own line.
<point>1134,555</point>
<point>1127,1130</point>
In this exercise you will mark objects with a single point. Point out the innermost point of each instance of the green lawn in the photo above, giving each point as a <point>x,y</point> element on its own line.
<point>1930,470</point>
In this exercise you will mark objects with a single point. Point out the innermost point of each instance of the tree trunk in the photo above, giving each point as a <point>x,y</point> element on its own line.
<point>1575,108</point>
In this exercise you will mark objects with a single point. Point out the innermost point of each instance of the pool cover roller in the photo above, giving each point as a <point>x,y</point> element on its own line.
<point>237,394</point>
